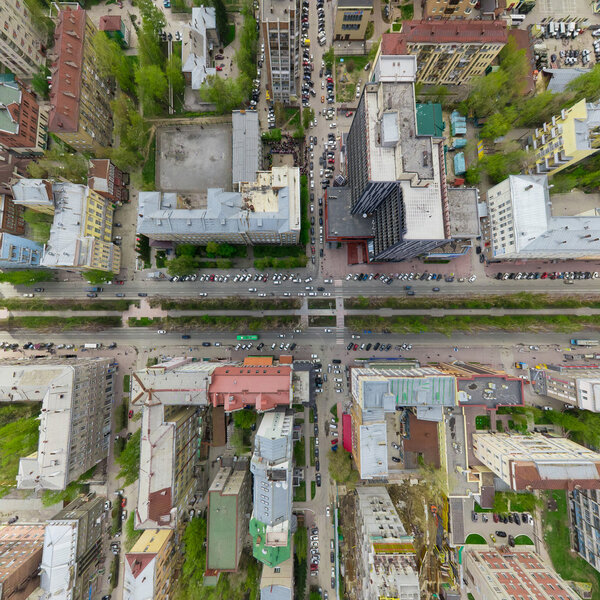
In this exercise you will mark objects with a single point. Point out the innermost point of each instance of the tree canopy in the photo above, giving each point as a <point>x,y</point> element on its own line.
<point>26,276</point>
<point>152,88</point>
<point>340,468</point>
<point>96,276</point>
<point>111,61</point>
<point>244,419</point>
<point>182,265</point>
<point>129,459</point>
<point>308,114</point>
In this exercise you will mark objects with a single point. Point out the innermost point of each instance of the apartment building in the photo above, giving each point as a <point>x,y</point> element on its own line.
<point>272,467</point>
<point>567,139</point>
<point>107,180</point>
<point>199,40</point>
<point>280,29</point>
<point>575,385</point>
<point>19,252</point>
<point>23,123</point>
<point>11,215</point>
<point>22,45</point>
<point>535,461</point>
<point>386,558</point>
<point>277,583</point>
<point>149,566</point>
<point>500,573</point>
<point>114,27</point>
<point>246,146</point>
<point>81,233</point>
<point>266,211</point>
<point>227,518</point>
<point>448,52</point>
<point>523,226</point>
<point>20,557</point>
<point>351,19</point>
<point>449,9</point>
<point>72,551</point>
<point>584,512</point>
<point>75,420</point>
<point>80,112</point>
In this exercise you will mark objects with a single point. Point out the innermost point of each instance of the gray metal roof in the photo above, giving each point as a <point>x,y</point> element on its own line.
<point>246,145</point>
<point>560,78</point>
<point>355,4</point>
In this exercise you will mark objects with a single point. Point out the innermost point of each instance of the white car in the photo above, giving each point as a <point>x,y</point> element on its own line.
<point>332,125</point>
<point>161,331</point>
<point>251,289</point>
<point>472,278</point>
<point>27,295</point>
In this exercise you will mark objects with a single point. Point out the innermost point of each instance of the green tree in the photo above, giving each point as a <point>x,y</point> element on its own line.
<point>225,250</point>
<point>244,419</point>
<point>57,163</point>
<point>372,52</point>
<point>129,459</point>
<point>273,135</point>
<point>175,75</point>
<point>40,82</point>
<point>225,94</point>
<point>506,162</point>
<point>513,61</point>
<point>26,276</point>
<point>152,17</point>
<point>498,124</point>
<point>220,19</point>
<point>187,249</point>
<point>182,265</point>
<point>350,65</point>
<point>152,88</point>
<point>440,93</point>
<point>96,276</point>
<point>301,544</point>
<point>212,249</point>
<point>308,114</point>
<point>539,108</point>
<point>586,86</point>
<point>340,468</point>
<point>299,133</point>
<point>194,540</point>
<point>111,61</point>
<point>224,263</point>
<point>473,175</point>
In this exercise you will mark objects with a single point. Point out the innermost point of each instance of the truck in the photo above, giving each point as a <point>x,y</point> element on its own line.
<point>94,289</point>
<point>520,365</point>
<point>584,342</point>
<point>92,346</point>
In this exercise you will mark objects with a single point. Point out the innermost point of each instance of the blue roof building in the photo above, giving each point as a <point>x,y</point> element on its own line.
<point>19,252</point>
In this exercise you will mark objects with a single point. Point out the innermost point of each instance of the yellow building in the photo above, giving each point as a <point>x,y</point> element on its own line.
<point>149,566</point>
<point>449,9</point>
<point>566,139</point>
<point>352,18</point>
<point>80,112</point>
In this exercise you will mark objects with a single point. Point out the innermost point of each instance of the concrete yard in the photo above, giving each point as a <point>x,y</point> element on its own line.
<point>193,158</point>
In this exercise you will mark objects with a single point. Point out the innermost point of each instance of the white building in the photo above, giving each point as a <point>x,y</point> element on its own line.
<point>199,40</point>
<point>574,385</point>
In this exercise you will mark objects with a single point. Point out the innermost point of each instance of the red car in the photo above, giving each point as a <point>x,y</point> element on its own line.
<point>544,275</point>
<point>495,517</point>
<point>334,442</point>
<point>131,414</point>
<point>312,249</point>
<point>355,347</point>
<point>219,68</point>
<point>119,282</point>
<point>123,502</point>
<point>349,113</point>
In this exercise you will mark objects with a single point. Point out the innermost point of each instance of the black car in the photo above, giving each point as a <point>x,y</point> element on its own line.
<point>349,346</point>
<point>38,290</point>
<point>501,534</point>
<point>376,346</point>
<point>517,519</point>
<point>510,518</point>
<point>396,459</point>
<point>293,346</point>
<point>186,337</point>
<point>260,346</point>
<point>332,557</point>
<point>511,541</point>
<point>321,289</point>
<point>368,347</point>
<point>92,295</point>
<point>316,431</point>
<point>317,466</point>
<point>321,252</point>
<point>336,361</point>
<point>318,479</point>
<point>142,294</point>
<point>206,344</point>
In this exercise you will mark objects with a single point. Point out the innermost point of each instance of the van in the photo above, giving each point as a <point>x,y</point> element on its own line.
<point>516,20</point>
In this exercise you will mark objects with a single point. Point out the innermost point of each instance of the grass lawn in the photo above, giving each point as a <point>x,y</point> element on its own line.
<point>313,490</point>
<point>523,540</point>
<point>348,71</point>
<point>300,453</point>
<point>482,422</point>
<point>17,438</point>
<point>321,303</point>
<point>126,380</point>
<point>333,410</point>
<point>292,117</point>
<point>230,35</point>
<point>300,492</point>
<point>149,168</point>
<point>558,543</point>
<point>131,534</point>
<point>322,321</point>
<point>312,451</point>
<point>311,415</point>
<point>512,502</point>
<point>478,509</point>
<point>475,538</point>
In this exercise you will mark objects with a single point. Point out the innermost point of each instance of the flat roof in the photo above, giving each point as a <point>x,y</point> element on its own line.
<point>340,222</point>
<point>222,532</point>
<point>430,120</point>
<point>355,4</point>
<point>490,391</point>
<point>246,145</point>
<point>464,217</point>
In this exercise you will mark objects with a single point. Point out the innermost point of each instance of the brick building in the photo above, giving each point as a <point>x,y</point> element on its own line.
<point>109,181</point>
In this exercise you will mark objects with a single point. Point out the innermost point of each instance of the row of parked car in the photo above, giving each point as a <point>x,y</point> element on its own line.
<point>568,275</point>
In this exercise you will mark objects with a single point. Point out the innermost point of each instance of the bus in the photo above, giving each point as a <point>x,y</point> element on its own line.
<point>247,337</point>
<point>584,342</point>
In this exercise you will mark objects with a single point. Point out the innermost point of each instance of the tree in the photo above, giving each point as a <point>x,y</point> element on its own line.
<point>224,263</point>
<point>182,265</point>
<point>96,276</point>
<point>40,82</point>
<point>299,133</point>
<point>26,276</point>
<point>340,468</point>
<point>225,94</point>
<point>273,135</point>
<point>350,66</point>
<point>220,19</point>
<point>308,114</point>
<point>301,544</point>
<point>212,249</point>
<point>111,61</point>
<point>152,88</point>
<point>473,175</point>
<point>152,17</point>
<point>513,61</point>
<point>194,540</point>
<point>329,57</point>
<point>586,86</point>
<point>225,250</point>
<point>175,75</point>
<point>506,162</point>
<point>498,124</point>
<point>129,459</point>
<point>244,419</point>
<point>56,163</point>
<point>187,249</point>
<point>435,480</point>
<point>539,108</point>
<point>440,93</point>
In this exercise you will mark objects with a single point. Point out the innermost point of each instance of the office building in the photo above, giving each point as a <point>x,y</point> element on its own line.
<point>114,27</point>
<point>449,9</point>
<point>575,385</point>
<point>22,45</point>
<point>272,467</point>
<point>80,112</point>
<point>247,146</point>
<point>227,518</point>
<point>107,180</point>
<point>537,462</point>
<point>75,420</point>
<point>23,123</point>
<point>499,573</point>
<point>11,215</point>
<point>81,233</point>
<point>280,29</point>
<point>448,52</point>
<point>72,550</point>
<point>351,19</point>
<point>567,139</point>
<point>199,40</point>
<point>149,566</point>
<point>584,512</point>
<point>386,561</point>
<point>19,252</point>
<point>266,211</point>
<point>277,583</point>
<point>20,557</point>
<point>523,227</point>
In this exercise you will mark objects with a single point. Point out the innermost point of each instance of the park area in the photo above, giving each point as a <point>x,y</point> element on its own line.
<point>349,71</point>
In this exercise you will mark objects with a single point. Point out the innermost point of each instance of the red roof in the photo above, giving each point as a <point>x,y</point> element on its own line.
<point>138,562</point>
<point>66,72</point>
<point>160,504</point>
<point>110,23</point>
<point>444,32</point>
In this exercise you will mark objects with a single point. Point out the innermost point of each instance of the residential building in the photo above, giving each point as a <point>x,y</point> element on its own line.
<point>499,573</point>
<point>72,551</point>
<point>397,193</point>
<point>19,252</point>
<point>80,112</point>
<point>386,561</point>
<point>227,517</point>
<point>537,462</point>
<point>11,216</point>
<point>199,40</point>
<point>81,233</point>
<point>107,180</point>
<point>115,29</point>
<point>281,32</point>
<point>567,139</point>
<point>149,566</point>
<point>449,9</point>
<point>272,467</point>
<point>22,45</point>
<point>351,19</point>
<point>448,52</point>
<point>247,146</point>
<point>584,511</point>
<point>523,227</point>
<point>277,583</point>
<point>235,387</point>
<point>20,557</point>
<point>266,211</point>
<point>75,420</point>
<point>23,123</point>
<point>575,385</point>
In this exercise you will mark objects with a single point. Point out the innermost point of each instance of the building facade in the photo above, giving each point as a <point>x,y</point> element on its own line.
<point>386,555</point>
<point>199,41</point>
<point>584,511</point>
<point>19,252</point>
<point>22,45</point>
<point>575,385</point>
<point>75,421</point>
<point>535,461</point>
<point>501,573</point>
<point>20,557</point>
<point>449,9</point>
<point>352,18</point>
<point>80,112</point>
<point>107,180</point>
<point>567,139</point>
<point>72,551</point>
<point>23,123</point>
<point>280,28</point>
<point>150,565</point>
<point>448,52</point>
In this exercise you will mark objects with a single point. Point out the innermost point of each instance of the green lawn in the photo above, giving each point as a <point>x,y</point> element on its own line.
<point>126,380</point>
<point>333,410</point>
<point>311,415</point>
<point>475,538</point>
<point>17,438</point>
<point>300,453</point>
<point>300,492</point>
<point>149,168</point>
<point>322,321</point>
<point>312,451</point>
<point>313,490</point>
<point>513,502</point>
<point>482,422</point>
<point>523,540</point>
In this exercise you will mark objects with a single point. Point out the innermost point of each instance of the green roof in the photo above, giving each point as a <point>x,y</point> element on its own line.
<point>9,93</point>
<point>269,555</point>
<point>430,120</point>
<point>222,533</point>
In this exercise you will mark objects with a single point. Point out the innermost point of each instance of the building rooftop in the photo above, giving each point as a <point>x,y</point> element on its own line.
<point>486,390</point>
<point>246,145</point>
<point>28,192</point>
<point>559,79</point>
<point>10,100</point>
<point>277,584</point>
<point>110,23</point>
<point>464,218</point>
<point>195,46</point>
<point>17,544</point>
<point>365,4</point>
<point>276,10</point>
<point>430,120</point>
<point>340,222</point>
<point>373,450</point>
